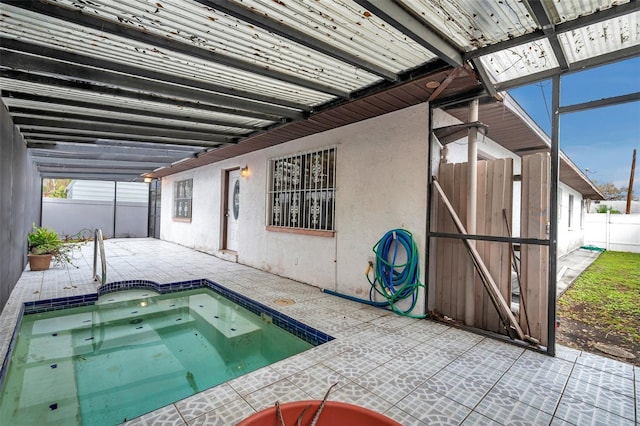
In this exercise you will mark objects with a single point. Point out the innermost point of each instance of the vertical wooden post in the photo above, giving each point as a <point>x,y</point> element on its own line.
<point>534,259</point>
<point>472,204</point>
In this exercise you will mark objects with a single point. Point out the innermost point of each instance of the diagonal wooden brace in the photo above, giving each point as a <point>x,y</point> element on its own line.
<point>501,305</point>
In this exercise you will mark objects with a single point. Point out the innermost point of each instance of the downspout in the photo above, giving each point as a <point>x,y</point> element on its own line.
<point>115,204</point>
<point>472,205</point>
<point>553,215</point>
<point>427,243</point>
<point>41,198</point>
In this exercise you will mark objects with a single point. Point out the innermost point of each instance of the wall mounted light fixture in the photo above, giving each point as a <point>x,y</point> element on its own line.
<point>148,179</point>
<point>244,172</point>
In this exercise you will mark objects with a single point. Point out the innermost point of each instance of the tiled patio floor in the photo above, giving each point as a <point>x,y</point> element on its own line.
<point>418,372</point>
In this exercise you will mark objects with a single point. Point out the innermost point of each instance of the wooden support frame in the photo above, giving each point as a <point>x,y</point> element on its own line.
<point>504,310</point>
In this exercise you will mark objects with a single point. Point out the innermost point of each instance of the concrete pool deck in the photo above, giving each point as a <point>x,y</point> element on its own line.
<point>417,372</point>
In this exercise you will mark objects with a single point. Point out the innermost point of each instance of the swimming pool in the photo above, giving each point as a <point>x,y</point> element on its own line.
<point>129,353</point>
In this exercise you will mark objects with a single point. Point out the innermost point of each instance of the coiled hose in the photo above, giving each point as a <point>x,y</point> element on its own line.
<point>394,282</point>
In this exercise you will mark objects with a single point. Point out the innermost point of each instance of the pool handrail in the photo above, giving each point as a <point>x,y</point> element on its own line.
<point>98,242</point>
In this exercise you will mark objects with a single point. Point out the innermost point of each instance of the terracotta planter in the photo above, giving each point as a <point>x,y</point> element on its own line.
<point>334,414</point>
<point>39,262</point>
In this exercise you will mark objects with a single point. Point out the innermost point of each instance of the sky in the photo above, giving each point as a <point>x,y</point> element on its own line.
<point>599,141</point>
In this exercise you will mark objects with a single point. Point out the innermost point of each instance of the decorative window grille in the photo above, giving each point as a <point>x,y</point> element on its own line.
<point>302,190</point>
<point>182,199</point>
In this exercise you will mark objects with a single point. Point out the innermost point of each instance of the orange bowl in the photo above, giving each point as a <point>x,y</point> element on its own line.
<point>334,413</point>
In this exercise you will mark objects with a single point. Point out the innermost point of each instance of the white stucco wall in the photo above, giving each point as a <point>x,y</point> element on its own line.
<point>381,168</point>
<point>569,237</point>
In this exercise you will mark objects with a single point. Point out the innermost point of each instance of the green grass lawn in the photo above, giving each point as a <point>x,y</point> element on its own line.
<point>607,295</point>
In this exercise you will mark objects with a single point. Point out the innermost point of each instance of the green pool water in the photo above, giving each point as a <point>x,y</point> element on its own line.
<point>116,360</point>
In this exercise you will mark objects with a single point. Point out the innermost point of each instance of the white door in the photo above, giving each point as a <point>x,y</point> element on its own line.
<point>233,209</point>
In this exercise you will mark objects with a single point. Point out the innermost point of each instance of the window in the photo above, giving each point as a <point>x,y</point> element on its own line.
<point>302,191</point>
<point>182,198</point>
<point>560,204</point>
<point>570,210</point>
<point>583,208</point>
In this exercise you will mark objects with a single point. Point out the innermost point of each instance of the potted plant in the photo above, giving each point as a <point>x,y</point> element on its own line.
<point>45,245</point>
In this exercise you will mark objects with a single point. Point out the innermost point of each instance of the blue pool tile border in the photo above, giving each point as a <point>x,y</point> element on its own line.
<point>295,327</point>
<point>299,329</point>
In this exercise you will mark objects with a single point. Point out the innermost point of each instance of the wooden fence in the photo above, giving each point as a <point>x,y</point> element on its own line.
<point>494,213</point>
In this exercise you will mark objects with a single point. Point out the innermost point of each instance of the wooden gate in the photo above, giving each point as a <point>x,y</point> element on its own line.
<point>495,195</point>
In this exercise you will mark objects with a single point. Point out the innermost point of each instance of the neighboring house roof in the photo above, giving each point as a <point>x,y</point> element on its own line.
<point>510,126</point>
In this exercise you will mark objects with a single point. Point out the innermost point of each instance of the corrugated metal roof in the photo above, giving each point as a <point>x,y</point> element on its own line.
<point>113,100</point>
<point>192,23</point>
<point>348,26</point>
<point>235,75</point>
<point>601,38</point>
<point>509,64</point>
<point>568,10</point>
<point>29,26</point>
<point>471,24</point>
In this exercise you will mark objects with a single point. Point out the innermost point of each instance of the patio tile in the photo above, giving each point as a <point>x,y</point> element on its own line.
<point>433,408</point>
<point>387,351</point>
<point>316,380</point>
<point>255,380</point>
<point>602,398</point>
<point>416,359</point>
<point>166,416</point>
<point>534,361</point>
<point>282,391</point>
<point>295,364</point>
<point>536,396</point>
<point>477,419</point>
<point>547,378</point>
<point>606,364</point>
<point>455,340</point>
<point>510,411</point>
<point>468,391</point>
<point>603,379</point>
<point>566,353</point>
<point>225,415</point>
<point>358,331</point>
<point>480,363</point>
<point>356,394</point>
<point>350,365</point>
<point>440,357</point>
<point>581,413</point>
<point>402,417</point>
<point>559,422</point>
<point>433,373</point>
<point>502,349</point>
<point>390,385</point>
<point>202,402</point>
<point>368,314</point>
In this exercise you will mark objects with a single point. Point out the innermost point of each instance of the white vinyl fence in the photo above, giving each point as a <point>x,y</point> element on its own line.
<point>69,217</point>
<point>616,232</point>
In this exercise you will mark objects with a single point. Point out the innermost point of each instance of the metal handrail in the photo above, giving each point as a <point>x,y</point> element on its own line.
<point>99,242</point>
